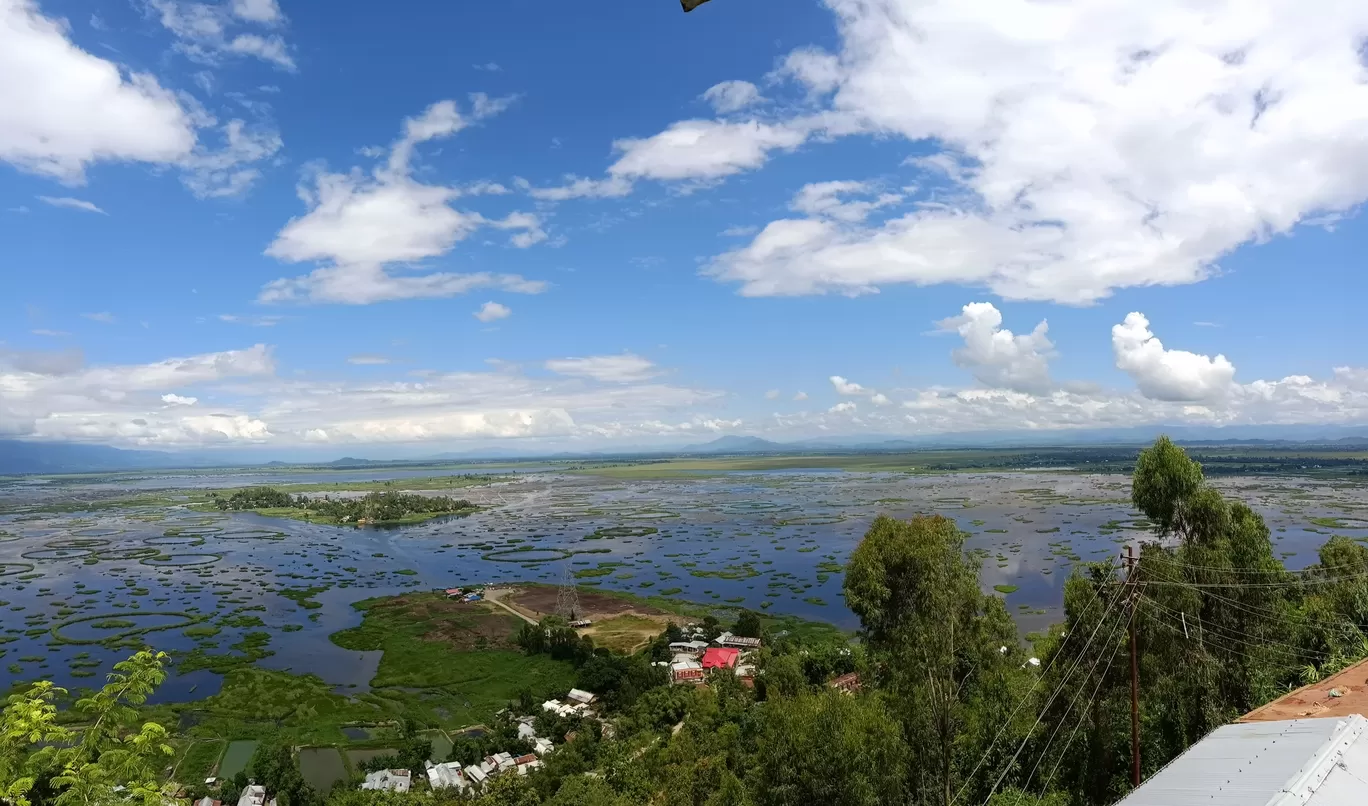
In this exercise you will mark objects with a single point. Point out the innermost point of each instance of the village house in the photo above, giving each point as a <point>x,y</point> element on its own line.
<point>720,658</point>
<point>208,801</point>
<point>580,696</point>
<point>849,683</point>
<point>727,639</point>
<point>476,775</point>
<point>527,763</point>
<point>254,794</point>
<point>694,648</point>
<point>542,746</point>
<point>389,780</point>
<point>446,776</point>
<point>685,669</point>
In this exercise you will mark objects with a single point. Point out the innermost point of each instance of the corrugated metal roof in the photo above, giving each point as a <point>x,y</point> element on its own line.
<point>1298,762</point>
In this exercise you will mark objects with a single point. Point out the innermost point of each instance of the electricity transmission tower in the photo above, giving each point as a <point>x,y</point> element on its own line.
<point>567,599</point>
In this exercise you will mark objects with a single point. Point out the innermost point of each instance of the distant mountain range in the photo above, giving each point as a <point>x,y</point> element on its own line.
<point>17,456</point>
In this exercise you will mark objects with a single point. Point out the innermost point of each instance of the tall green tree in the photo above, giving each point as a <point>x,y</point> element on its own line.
<point>937,643</point>
<point>829,748</point>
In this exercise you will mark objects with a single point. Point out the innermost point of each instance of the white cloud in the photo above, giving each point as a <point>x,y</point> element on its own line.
<point>772,394</point>
<point>731,96</point>
<point>823,200</point>
<point>704,149</point>
<point>266,11</point>
<point>204,33</point>
<point>71,204</point>
<point>71,109</point>
<point>177,400</point>
<point>1092,145</point>
<point>818,70</point>
<point>229,171</point>
<point>801,396</point>
<point>842,408</point>
<point>52,333</point>
<point>361,225</point>
<point>686,151</point>
<point>103,317</point>
<point>996,356</point>
<point>848,388</point>
<point>267,48</point>
<point>578,187</point>
<point>368,359</point>
<point>880,399</point>
<point>624,368</point>
<point>739,232</point>
<point>1172,375</point>
<point>253,321</point>
<point>491,311</point>
<point>52,396</point>
<point>488,67</point>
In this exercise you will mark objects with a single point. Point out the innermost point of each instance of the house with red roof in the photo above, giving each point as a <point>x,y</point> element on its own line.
<point>720,657</point>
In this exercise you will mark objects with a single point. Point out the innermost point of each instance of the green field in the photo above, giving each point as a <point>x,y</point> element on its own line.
<point>236,757</point>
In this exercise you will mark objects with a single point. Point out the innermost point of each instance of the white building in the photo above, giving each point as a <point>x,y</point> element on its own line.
<point>389,780</point>
<point>542,746</point>
<point>475,774</point>
<point>252,795</point>
<point>737,641</point>
<point>446,776</point>
<point>1295,762</point>
<point>580,696</point>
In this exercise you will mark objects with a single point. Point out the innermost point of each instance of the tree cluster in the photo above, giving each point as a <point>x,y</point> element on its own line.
<point>373,507</point>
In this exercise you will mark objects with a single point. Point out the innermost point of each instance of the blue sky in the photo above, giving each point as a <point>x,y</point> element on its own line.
<point>259,223</point>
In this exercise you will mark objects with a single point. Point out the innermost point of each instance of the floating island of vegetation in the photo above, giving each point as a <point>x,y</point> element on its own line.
<point>378,508</point>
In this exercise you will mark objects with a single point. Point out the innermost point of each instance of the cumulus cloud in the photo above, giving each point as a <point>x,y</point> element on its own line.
<point>1081,147</point>
<point>842,408</point>
<point>996,356</point>
<point>1161,374</point>
<point>845,387</point>
<point>823,200</point>
<point>264,11</point>
<point>800,396</point>
<point>624,368</point>
<point>72,109</point>
<point>689,150</point>
<point>731,96</point>
<point>71,204</point>
<point>63,399</point>
<point>492,311</point>
<point>54,396</point>
<point>360,226</point>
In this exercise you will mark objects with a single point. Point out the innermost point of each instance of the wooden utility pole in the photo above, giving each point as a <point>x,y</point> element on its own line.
<point>1132,595</point>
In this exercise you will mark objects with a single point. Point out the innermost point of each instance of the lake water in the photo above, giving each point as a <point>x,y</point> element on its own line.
<point>767,540</point>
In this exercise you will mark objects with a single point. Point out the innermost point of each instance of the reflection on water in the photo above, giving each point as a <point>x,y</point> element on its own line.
<point>774,541</point>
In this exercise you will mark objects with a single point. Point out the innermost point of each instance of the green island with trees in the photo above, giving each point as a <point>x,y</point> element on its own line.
<point>375,508</point>
<point>951,707</point>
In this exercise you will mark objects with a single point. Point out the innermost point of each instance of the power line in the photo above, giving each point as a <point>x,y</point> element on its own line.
<point>1120,625</point>
<point>1081,716</point>
<point>1068,674</point>
<point>1027,696</point>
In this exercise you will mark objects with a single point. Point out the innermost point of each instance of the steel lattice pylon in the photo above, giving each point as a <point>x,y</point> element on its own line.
<point>567,599</point>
